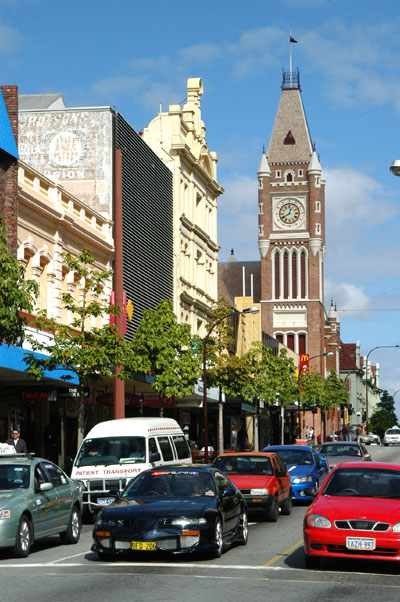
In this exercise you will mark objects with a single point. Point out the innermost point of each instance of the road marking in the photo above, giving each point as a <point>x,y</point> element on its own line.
<point>183,565</point>
<point>285,553</point>
<point>67,558</point>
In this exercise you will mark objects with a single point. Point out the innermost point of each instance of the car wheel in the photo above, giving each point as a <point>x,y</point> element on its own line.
<point>73,532</point>
<point>24,538</point>
<point>218,539</point>
<point>312,562</point>
<point>243,529</point>
<point>273,511</point>
<point>286,509</point>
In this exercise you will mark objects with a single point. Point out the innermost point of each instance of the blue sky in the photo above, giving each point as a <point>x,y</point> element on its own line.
<point>135,55</point>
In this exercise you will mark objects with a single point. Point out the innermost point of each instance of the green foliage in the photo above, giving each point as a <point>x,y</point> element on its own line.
<point>335,391</point>
<point>162,348</point>
<point>16,294</point>
<point>90,353</point>
<point>381,420</point>
<point>312,391</point>
<point>384,415</point>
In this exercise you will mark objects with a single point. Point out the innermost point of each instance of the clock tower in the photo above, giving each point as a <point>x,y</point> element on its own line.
<point>291,230</point>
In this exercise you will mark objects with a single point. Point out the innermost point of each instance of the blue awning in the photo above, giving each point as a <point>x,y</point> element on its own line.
<point>12,358</point>
<point>7,140</point>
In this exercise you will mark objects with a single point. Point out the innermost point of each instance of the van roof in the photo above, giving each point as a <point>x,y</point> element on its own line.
<point>139,427</point>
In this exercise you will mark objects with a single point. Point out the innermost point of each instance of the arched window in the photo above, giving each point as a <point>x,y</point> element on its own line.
<point>302,344</point>
<point>303,275</point>
<point>294,275</point>
<point>285,275</point>
<point>279,338</point>
<point>277,278</point>
<point>290,341</point>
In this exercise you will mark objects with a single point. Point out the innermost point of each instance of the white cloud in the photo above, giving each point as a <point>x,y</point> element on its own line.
<point>200,52</point>
<point>10,38</point>
<point>110,86</point>
<point>348,296</point>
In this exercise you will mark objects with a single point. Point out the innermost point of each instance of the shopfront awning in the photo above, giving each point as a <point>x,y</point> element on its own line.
<point>13,367</point>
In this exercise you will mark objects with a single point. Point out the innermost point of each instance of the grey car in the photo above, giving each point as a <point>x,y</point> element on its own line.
<point>37,499</point>
<point>344,451</point>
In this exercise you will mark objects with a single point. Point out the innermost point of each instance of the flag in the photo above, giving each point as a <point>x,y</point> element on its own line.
<point>292,40</point>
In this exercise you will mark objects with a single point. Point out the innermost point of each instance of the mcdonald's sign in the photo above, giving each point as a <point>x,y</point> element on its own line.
<point>304,363</point>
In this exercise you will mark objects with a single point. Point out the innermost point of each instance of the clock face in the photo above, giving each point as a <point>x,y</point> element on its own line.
<point>289,213</point>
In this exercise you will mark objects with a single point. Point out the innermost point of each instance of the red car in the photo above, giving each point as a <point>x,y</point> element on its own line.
<point>262,478</point>
<point>355,514</point>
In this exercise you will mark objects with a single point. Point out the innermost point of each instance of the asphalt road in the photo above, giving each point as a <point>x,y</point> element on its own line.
<point>271,567</point>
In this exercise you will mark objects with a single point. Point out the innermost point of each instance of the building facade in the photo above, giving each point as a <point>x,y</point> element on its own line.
<point>178,137</point>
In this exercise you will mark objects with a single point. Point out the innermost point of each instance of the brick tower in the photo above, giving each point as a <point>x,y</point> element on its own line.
<point>291,231</point>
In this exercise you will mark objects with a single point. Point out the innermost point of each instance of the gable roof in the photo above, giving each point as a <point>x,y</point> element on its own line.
<point>7,140</point>
<point>34,102</point>
<point>347,357</point>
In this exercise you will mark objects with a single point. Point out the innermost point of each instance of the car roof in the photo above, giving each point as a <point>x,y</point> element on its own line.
<point>249,453</point>
<point>340,443</point>
<point>21,458</point>
<point>298,447</point>
<point>180,468</point>
<point>367,465</point>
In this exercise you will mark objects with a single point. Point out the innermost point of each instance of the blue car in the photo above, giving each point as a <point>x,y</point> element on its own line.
<point>306,467</point>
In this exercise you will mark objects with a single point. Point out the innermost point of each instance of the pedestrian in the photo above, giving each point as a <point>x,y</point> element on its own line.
<point>311,433</point>
<point>17,442</point>
<point>348,431</point>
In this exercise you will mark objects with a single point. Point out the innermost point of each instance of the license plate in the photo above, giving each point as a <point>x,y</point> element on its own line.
<point>104,501</point>
<point>144,545</point>
<point>360,543</point>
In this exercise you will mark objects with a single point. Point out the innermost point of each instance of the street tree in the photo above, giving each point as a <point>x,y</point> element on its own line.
<point>16,295</point>
<point>384,415</point>
<point>162,349</point>
<point>90,353</point>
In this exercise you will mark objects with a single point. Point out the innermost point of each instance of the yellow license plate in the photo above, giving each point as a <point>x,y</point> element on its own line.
<point>144,545</point>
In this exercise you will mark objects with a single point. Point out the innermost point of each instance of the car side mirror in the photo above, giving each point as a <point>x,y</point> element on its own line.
<point>228,492</point>
<point>45,486</point>
<point>155,457</point>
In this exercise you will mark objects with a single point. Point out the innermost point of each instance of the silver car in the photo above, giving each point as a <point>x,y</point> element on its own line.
<point>392,436</point>
<point>337,452</point>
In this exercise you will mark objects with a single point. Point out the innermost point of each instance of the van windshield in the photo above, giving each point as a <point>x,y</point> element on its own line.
<point>112,450</point>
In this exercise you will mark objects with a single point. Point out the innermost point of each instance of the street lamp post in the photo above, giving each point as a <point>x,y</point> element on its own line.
<point>205,340</point>
<point>366,378</point>
<point>298,380</point>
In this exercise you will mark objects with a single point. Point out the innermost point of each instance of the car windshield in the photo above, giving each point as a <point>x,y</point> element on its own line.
<point>393,432</point>
<point>294,456</point>
<point>340,450</point>
<point>359,482</point>
<point>111,450</point>
<point>245,465</point>
<point>173,483</point>
<point>14,477</point>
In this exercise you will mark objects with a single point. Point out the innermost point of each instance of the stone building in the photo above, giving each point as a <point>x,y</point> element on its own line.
<point>178,137</point>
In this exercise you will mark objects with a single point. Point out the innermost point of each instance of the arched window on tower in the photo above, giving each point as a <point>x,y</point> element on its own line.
<point>285,275</point>
<point>279,338</point>
<point>303,275</point>
<point>302,344</point>
<point>277,278</point>
<point>290,341</point>
<point>294,275</point>
<point>289,177</point>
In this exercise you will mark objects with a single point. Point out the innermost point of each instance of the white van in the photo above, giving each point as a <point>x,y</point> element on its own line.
<point>116,451</point>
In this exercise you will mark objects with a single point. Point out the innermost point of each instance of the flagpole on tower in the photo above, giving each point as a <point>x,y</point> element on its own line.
<point>290,58</point>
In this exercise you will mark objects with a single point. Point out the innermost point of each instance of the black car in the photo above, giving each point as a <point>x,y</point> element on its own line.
<point>174,509</point>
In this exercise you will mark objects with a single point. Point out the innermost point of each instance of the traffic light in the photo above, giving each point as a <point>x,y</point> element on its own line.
<point>364,416</point>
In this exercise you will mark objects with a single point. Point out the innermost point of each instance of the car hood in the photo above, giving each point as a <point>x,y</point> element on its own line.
<point>252,481</point>
<point>367,508</point>
<point>299,470</point>
<point>335,460</point>
<point>167,507</point>
<point>14,494</point>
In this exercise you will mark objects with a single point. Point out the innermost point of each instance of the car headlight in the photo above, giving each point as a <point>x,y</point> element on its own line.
<point>259,491</point>
<point>185,522</point>
<point>297,480</point>
<point>110,522</point>
<point>396,528</point>
<point>5,513</point>
<point>317,520</point>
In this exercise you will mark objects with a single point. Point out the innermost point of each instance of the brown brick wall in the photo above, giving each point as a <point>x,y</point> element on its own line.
<point>9,173</point>
<point>230,280</point>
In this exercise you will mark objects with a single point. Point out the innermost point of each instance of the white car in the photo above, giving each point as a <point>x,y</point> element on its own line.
<point>392,436</point>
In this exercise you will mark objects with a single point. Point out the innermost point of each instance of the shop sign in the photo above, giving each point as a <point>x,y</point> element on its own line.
<point>134,400</point>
